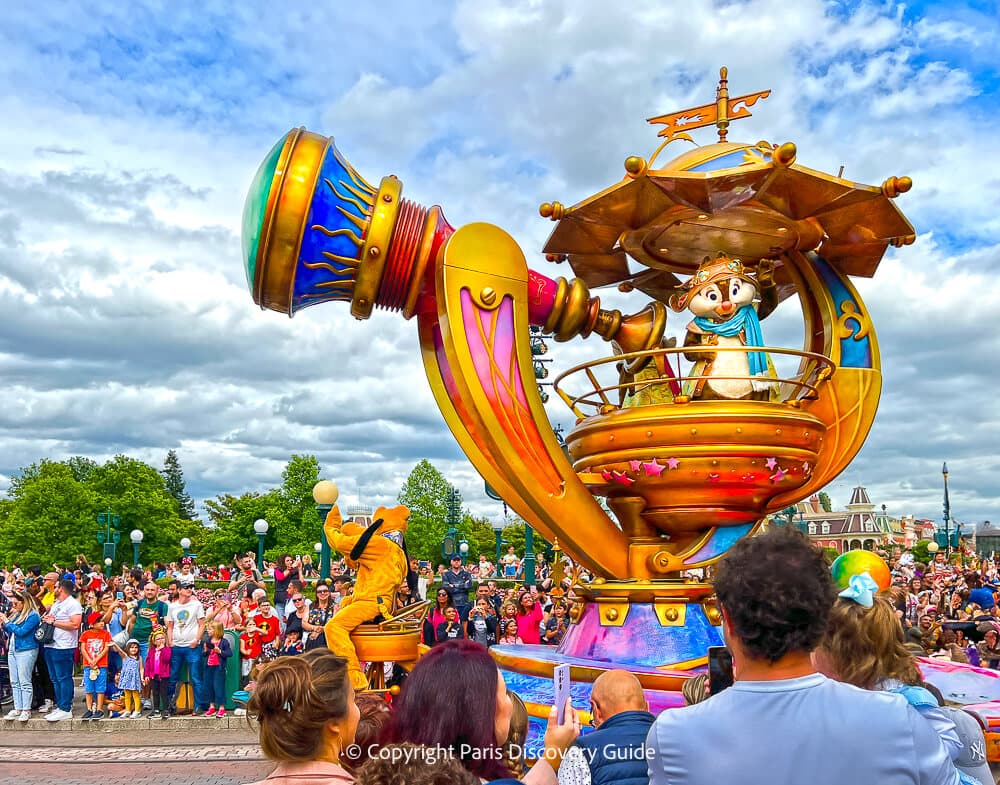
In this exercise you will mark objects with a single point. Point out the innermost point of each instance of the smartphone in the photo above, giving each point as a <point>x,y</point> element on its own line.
<point>720,669</point>
<point>119,595</point>
<point>560,684</point>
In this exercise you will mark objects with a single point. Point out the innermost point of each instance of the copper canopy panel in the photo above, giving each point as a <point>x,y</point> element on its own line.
<point>730,197</point>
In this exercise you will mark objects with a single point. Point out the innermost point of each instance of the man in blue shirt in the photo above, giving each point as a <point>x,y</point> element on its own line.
<point>783,723</point>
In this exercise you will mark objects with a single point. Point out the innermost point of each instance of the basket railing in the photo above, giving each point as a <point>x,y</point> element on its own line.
<point>814,369</point>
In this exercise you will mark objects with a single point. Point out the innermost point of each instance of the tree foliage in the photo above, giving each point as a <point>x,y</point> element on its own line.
<point>51,513</point>
<point>425,493</point>
<point>290,511</point>
<point>824,501</point>
<point>173,475</point>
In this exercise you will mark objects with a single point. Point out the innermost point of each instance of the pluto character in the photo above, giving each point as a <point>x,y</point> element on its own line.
<point>721,296</point>
<point>378,553</point>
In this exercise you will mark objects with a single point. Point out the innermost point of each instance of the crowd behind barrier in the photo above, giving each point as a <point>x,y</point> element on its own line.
<point>161,645</point>
<point>183,638</point>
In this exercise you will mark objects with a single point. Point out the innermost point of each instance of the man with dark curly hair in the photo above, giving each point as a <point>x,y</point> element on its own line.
<point>782,722</point>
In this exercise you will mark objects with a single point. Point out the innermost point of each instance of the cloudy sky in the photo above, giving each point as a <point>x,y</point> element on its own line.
<point>131,131</point>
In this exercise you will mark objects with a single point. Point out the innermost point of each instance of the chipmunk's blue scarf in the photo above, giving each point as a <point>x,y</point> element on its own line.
<point>744,320</point>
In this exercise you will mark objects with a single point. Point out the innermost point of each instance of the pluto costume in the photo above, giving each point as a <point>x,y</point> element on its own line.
<point>382,566</point>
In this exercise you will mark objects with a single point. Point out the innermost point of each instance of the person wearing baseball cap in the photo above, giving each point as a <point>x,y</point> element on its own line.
<point>457,581</point>
<point>95,644</point>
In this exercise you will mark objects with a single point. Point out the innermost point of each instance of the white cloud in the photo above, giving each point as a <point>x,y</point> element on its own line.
<point>130,135</point>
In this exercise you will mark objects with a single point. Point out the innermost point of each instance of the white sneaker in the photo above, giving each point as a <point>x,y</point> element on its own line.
<point>24,716</point>
<point>136,715</point>
<point>13,714</point>
<point>46,707</point>
<point>58,714</point>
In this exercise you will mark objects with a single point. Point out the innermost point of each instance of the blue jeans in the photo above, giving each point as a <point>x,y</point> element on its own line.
<point>21,664</point>
<point>179,655</point>
<point>215,685</point>
<point>60,665</point>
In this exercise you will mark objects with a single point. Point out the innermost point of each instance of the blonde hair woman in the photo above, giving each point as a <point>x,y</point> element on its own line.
<point>22,650</point>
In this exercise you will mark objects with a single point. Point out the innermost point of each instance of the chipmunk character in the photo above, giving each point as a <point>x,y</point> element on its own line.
<point>378,552</point>
<point>721,296</point>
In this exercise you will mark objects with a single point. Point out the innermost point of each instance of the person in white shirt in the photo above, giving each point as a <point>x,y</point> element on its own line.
<point>65,615</point>
<point>185,625</point>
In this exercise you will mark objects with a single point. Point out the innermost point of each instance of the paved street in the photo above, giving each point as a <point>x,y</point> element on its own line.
<point>140,756</point>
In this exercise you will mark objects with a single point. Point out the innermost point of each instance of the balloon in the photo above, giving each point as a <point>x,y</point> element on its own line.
<point>857,562</point>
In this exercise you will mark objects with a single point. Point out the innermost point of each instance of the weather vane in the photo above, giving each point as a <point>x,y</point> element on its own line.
<point>720,114</point>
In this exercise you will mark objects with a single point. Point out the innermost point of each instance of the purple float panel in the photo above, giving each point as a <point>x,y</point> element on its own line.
<point>641,640</point>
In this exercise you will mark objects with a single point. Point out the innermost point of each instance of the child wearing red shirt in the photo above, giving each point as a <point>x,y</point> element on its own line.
<point>94,646</point>
<point>250,648</point>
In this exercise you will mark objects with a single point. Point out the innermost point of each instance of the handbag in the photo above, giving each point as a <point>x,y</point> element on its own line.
<point>45,633</point>
<point>121,639</point>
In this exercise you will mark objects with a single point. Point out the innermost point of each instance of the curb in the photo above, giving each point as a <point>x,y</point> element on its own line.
<point>176,723</point>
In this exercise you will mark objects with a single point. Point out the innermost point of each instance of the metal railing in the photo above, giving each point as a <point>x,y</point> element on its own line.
<point>815,369</point>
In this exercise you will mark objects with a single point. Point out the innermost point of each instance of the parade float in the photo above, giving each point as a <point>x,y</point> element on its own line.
<point>677,452</point>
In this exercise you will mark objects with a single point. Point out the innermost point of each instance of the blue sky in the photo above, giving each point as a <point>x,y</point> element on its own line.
<point>131,133</point>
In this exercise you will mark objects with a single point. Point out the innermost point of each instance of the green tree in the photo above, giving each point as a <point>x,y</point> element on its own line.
<point>824,501</point>
<point>137,493</point>
<point>479,533</point>
<point>51,513</point>
<point>231,531</point>
<point>173,475</point>
<point>49,517</point>
<point>920,552</point>
<point>425,493</point>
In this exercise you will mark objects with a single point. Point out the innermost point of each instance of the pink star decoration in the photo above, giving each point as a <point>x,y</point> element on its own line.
<point>770,463</point>
<point>606,475</point>
<point>748,477</point>
<point>779,475</point>
<point>653,469</point>
<point>634,465</point>
<point>806,467</point>
<point>622,478</point>
<point>713,477</point>
<point>673,463</point>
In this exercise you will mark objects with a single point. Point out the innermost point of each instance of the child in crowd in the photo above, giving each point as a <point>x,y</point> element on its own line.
<point>157,673</point>
<point>451,627</point>
<point>510,632</point>
<point>94,646</point>
<point>292,644</point>
<point>250,648</point>
<point>217,650</point>
<point>129,680</point>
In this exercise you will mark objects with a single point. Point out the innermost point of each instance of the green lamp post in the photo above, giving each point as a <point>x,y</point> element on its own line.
<point>136,537</point>
<point>260,526</point>
<point>108,534</point>
<point>325,494</point>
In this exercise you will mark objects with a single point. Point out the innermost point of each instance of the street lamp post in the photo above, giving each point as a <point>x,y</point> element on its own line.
<point>260,526</point>
<point>529,554</point>
<point>325,494</point>
<point>463,549</point>
<point>947,516</point>
<point>498,533</point>
<point>107,567</point>
<point>185,545</point>
<point>449,545</point>
<point>136,536</point>
<point>107,532</point>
